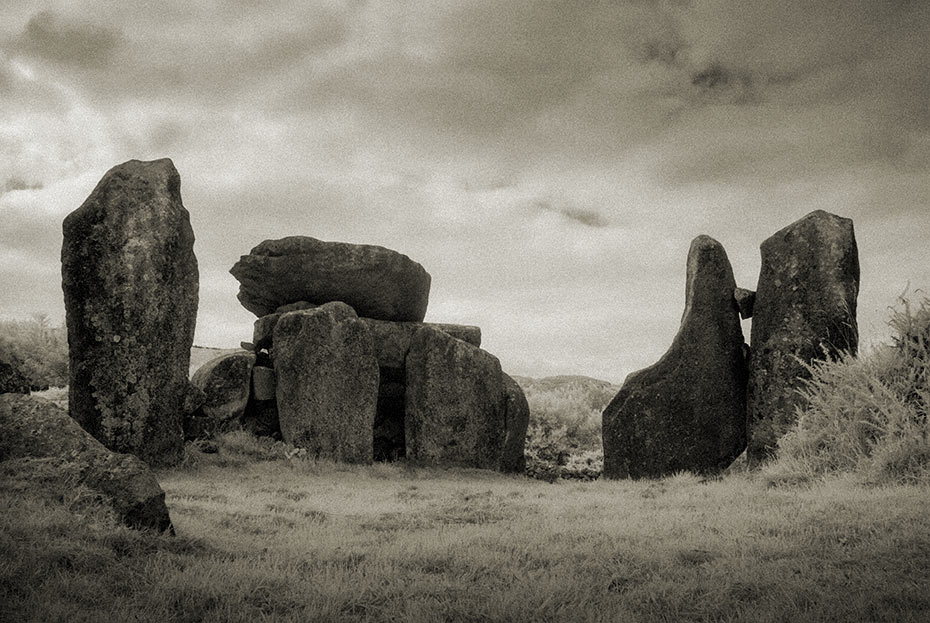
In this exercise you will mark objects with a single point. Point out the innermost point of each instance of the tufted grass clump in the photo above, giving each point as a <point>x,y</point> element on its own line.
<point>38,349</point>
<point>867,415</point>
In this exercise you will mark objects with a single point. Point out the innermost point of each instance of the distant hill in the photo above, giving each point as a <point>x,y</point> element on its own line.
<point>202,354</point>
<point>586,391</point>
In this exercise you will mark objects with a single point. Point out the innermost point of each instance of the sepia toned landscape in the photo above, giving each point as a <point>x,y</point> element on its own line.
<point>528,311</point>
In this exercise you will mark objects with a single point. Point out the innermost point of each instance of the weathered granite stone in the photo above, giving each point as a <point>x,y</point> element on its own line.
<point>517,419</point>
<point>263,383</point>
<point>745,300</point>
<point>225,381</point>
<point>805,310</point>
<point>687,411</point>
<point>263,330</point>
<point>455,402</point>
<point>130,282</point>
<point>391,339</point>
<point>295,306</point>
<point>327,382</point>
<point>375,281</point>
<point>38,441</point>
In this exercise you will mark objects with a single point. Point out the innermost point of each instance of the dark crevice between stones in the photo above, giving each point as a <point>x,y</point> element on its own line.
<point>389,436</point>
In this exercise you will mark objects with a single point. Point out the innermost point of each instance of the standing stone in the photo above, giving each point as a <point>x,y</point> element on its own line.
<point>376,282</point>
<point>327,382</point>
<point>805,309</point>
<point>130,282</point>
<point>455,402</point>
<point>225,382</point>
<point>517,420</point>
<point>687,411</point>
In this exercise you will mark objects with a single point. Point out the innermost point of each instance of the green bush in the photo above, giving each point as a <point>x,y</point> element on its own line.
<point>563,438</point>
<point>867,415</point>
<point>38,349</point>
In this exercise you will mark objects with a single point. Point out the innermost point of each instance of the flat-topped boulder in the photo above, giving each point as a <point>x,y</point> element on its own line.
<point>41,445</point>
<point>687,411</point>
<point>130,283</point>
<point>805,309</point>
<point>376,282</point>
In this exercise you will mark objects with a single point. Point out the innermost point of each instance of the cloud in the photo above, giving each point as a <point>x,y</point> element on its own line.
<point>17,183</point>
<point>547,161</point>
<point>588,218</point>
<point>49,36</point>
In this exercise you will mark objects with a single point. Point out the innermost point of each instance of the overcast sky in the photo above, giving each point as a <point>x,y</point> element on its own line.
<point>548,163</point>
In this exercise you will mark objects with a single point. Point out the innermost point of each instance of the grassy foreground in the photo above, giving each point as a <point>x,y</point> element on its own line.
<point>294,540</point>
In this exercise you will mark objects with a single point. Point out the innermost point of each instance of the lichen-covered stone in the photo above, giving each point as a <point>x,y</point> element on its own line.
<point>130,284</point>
<point>805,309</point>
<point>455,402</point>
<point>327,382</point>
<point>375,281</point>
<point>41,445</point>
<point>392,339</point>
<point>687,411</point>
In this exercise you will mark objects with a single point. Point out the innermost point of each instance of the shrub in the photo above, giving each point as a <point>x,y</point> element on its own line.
<point>564,433</point>
<point>38,349</point>
<point>867,415</point>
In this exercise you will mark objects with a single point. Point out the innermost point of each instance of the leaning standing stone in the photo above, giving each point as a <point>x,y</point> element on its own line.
<point>805,309</point>
<point>455,402</point>
<point>327,382</point>
<point>687,411</point>
<point>130,282</point>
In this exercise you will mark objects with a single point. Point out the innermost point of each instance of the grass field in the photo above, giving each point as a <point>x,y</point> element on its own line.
<point>294,540</point>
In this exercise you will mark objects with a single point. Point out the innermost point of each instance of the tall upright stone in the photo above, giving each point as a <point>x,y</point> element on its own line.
<point>327,382</point>
<point>687,411</point>
<point>805,309</point>
<point>130,284</point>
<point>455,403</point>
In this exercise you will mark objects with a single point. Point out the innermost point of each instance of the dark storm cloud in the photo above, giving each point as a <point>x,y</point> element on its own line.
<point>51,37</point>
<point>588,218</point>
<point>17,183</point>
<point>434,128</point>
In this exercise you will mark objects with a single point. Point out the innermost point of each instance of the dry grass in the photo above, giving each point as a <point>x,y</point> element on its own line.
<point>294,540</point>
<point>867,415</point>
